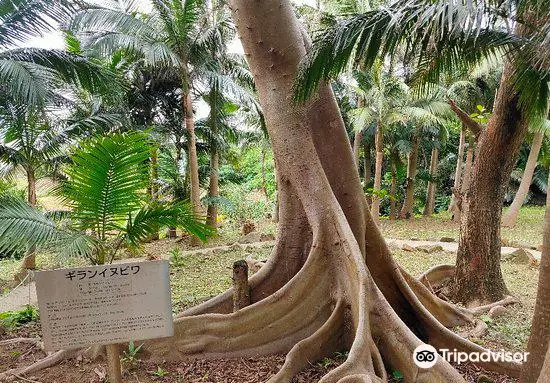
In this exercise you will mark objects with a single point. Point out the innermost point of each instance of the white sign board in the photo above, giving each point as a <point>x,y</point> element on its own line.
<point>105,304</point>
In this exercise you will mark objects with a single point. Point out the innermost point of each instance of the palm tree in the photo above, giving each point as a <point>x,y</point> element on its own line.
<point>32,76</point>
<point>445,35</point>
<point>511,216</point>
<point>170,36</point>
<point>108,207</point>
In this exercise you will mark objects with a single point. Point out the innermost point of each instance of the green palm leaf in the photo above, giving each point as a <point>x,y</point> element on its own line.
<point>107,179</point>
<point>150,219</point>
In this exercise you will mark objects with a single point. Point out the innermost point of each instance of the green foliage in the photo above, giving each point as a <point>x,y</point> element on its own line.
<point>160,372</point>
<point>239,209</point>
<point>397,375</point>
<point>17,318</point>
<point>175,256</point>
<point>130,359</point>
<point>9,188</point>
<point>106,193</point>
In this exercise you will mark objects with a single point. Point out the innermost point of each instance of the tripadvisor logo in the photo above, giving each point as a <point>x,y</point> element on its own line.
<point>425,356</point>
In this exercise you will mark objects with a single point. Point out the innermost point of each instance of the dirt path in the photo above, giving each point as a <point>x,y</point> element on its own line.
<point>26,293</point>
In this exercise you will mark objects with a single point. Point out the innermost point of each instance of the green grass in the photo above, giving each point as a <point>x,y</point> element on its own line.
<point>528,230</point>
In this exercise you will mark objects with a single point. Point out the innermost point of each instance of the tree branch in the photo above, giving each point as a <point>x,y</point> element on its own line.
<point>473,126</point>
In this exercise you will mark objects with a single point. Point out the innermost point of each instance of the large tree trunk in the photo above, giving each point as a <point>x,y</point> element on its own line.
<point>511,216</point>
<point>330,283</point>
<point>379,146</point>
<point>213,190</point>
<point>458,170</point>
<point>478,277</point>
<point>430,193</point>
<point>412,164</point>
<point>540,330</point>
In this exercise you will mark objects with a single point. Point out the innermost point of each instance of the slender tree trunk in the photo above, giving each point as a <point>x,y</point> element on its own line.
<point>31,186</point>
<point>367,165</point>
<point>379,145</point>
<point>264,185</point>
<point>540,329</point>
<point>29,260</point>
<point>393,191</point>
<point>430,193</point>
<point>357,147</point>
<point>478,277</point>
<point>213,190</point>
<point>511,216</point>
<point>458,169</point>
<point>191,149</point>
<point>412,165</point>
<point>153,185</point>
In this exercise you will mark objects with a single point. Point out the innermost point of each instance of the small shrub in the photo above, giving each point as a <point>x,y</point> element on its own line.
<point>17,318</point>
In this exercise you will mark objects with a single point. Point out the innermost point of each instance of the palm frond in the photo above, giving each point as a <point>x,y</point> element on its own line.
<point>106,179</point>
<point>150,219</point>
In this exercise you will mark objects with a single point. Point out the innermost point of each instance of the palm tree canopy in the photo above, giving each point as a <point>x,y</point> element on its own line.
<point>438,36</point>
<point>30,75</point>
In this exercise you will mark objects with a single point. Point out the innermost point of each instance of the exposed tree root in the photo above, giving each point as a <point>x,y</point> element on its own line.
<point>33,341</point>
<point>509,300</point>
<point>49,361</point>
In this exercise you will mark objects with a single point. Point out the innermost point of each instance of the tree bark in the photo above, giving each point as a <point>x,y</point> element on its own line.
<point>412,165</point>
<point>331,282</point>
<point>478,276</point>
<point>473,126</point>
<point>430,193</point>
<point>540,329</point>
<point>357,147</point>
<point>511,216</point>
<point>31,186</point>
<point>153,185</point>
<point>458,169</point>
<point>213,190</point>
<point>193,165</point>
<point>367,169</point>
<point>393,191</point>
<point>29,260</point>
<point>379,146</point>
<point>241,290</point>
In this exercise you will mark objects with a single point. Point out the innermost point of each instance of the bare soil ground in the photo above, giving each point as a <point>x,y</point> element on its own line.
<point>243,370</point>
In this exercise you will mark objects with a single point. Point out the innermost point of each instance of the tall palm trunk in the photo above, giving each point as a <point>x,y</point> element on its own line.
<point>511,216</point>
<point>367,168</point>
<point>430,193</point>
<point>192,154</point>
<point>412,165</point>
<point>213,189</point>
<point>458,169</point>
<point>478,277</point>
<point>264,184</point>
<point>153,186</point>
<point>393,191</point>
<point>540,329</point>
<point>357,147</point>
<point>379,145</point>
<point>191,148</point>
<point>29,260</point>
<point>31,186</point>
